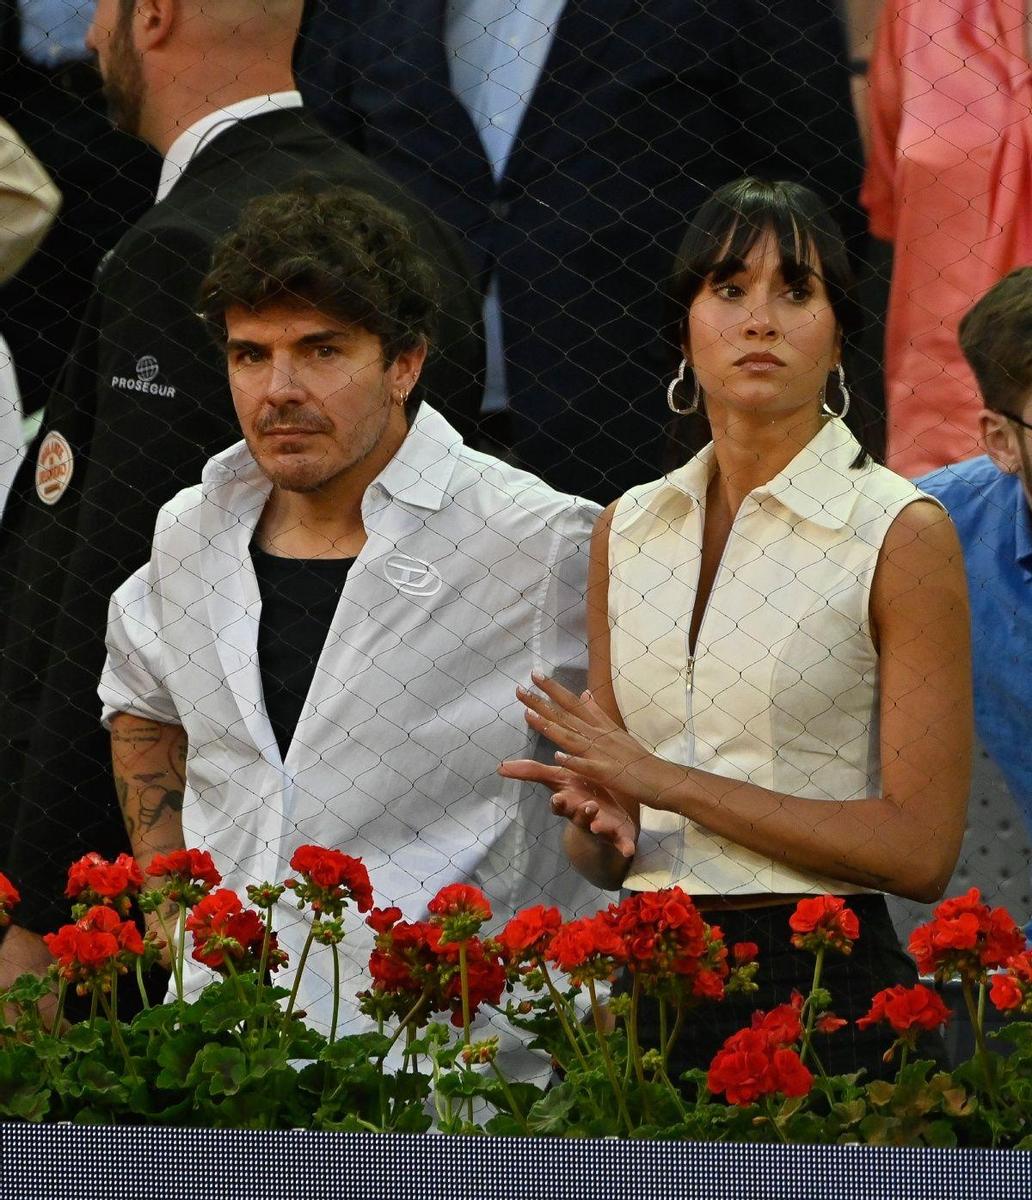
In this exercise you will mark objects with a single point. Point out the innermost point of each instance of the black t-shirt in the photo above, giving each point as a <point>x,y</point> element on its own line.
<point>299,598</point>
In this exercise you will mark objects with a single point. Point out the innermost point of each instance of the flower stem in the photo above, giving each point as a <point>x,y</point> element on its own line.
<point>263,958</point>
<point>180,947</point>
<point>633,1045</point>
<point>984,1057</point>
<point>177,974</point>
<point>144,999</point>
<point>559,1004</point>
<point>771,1112</point>
<point>116,1033</point>
<point>517,1112</point>
<point>62,992</point>
<point>297,978</point>
<point>464,987</point>
<point>412,1013</point>
<point>336,993</point>
<point>675,1033</point>
<point>614,1079</point>
<point>811,1008</point>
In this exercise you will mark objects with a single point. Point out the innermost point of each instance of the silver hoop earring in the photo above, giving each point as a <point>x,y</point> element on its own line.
<point>671,393</point>
<point>825,407</point>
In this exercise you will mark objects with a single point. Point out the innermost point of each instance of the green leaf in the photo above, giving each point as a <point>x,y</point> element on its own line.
<point>176,1058</point>
<point>27,990</point>
<point>413,1118</point>
<point>224,1068</point>
<point>553,1113</point>
<point>29,1104</point>
<point>355,1049</point>
<point>505,1125</point>
<point>82,1038</point>
<point>91,1078</point>
<point>160,1017</point>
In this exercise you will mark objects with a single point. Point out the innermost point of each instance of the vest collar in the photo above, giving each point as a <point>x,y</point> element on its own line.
<point>817,485</point>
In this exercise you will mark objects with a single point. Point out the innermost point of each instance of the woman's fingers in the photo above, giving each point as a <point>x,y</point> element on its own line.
<point>551,712</point>
<point>583,708</point>
<point>564,737</point>
<point>532,771</point>
<point>603,818</point>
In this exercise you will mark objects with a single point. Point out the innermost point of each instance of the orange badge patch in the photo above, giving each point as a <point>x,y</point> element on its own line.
<point>53,468</point>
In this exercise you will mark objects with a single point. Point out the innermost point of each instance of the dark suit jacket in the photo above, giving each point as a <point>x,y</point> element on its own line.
<point>643,108</point>
<point>143,402</point>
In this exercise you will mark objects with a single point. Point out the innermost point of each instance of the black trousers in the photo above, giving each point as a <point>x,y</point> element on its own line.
<point>877,962</point>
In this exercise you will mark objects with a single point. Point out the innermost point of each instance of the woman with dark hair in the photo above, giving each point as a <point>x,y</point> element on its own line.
<point>779,699</point>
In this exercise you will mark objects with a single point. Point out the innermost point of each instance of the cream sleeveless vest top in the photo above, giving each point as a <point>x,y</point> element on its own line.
<point>783,687</point>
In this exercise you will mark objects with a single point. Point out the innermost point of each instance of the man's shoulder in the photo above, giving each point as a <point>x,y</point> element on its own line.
<point>966,484</point>
<point>229,486</point>
<point>497,488</point>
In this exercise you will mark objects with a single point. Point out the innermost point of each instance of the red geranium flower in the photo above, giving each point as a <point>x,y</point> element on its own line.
<point>587,948</point>
<point>382,919</point>
<point>89,950</point>
<point>9,897</point>
<point>485,973</point>
<point>460,910</point>
<point>413,964</point>
<point>329,879</point>
<point>223,929</point>
<point>1012,990</point>
<point>908,1010</point>
<point>1006,993</point>
<point>744,953</point>
<point>460,899</point>
<point>824,921</point>
<point>750,1065</point>
<point>781,1026</point>
<point>965,937</point>
<point>526,935</point>
<point>93,880</point>
<point>191,874</point>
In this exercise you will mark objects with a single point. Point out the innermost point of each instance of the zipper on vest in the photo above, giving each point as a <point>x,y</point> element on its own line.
<point>689,671</point>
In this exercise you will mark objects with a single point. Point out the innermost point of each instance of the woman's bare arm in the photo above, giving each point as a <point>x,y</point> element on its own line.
<point>905,841</point>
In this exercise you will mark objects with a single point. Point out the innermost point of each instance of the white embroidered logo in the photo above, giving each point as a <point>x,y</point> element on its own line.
<point>147,371</point>
<point>147,368</point>
<point>54,465</point>
<point>413,576</point>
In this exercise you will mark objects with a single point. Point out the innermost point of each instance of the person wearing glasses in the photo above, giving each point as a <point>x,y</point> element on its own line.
<point>990,501</point>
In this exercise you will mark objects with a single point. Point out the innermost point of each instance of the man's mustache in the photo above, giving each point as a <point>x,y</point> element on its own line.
<point>299,420</point>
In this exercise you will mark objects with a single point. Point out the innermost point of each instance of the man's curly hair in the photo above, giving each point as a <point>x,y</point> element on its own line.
<point>337,250</point>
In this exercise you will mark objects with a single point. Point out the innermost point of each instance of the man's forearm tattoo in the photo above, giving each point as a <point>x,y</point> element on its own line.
<point>149,762</point>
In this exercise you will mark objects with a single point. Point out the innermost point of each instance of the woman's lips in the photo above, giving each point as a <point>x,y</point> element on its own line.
<point>759,363</point>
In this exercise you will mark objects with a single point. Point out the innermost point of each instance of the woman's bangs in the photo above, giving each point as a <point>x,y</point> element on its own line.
<point>797,249</point>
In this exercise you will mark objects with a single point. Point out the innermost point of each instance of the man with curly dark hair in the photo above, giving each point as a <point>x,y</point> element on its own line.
<point>324,643</point>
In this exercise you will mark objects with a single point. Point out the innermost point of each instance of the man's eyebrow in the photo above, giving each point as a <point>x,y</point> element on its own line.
<point>232,344</point>
<point>310,339</point>
<point>326,335</point>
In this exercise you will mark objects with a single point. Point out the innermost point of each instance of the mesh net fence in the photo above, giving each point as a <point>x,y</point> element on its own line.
<point>359,689</point>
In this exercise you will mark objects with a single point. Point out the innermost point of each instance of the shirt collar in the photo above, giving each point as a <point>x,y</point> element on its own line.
<point>187,144</point>
<point>419,474</point>
<point>816,485</point>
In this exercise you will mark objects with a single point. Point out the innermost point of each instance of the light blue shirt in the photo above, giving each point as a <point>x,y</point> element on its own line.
<point>994,522</point>
<point>496,52</point>
<point>54,31</point>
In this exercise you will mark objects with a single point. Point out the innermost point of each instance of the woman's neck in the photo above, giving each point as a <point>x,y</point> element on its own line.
<point>751,450</point>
